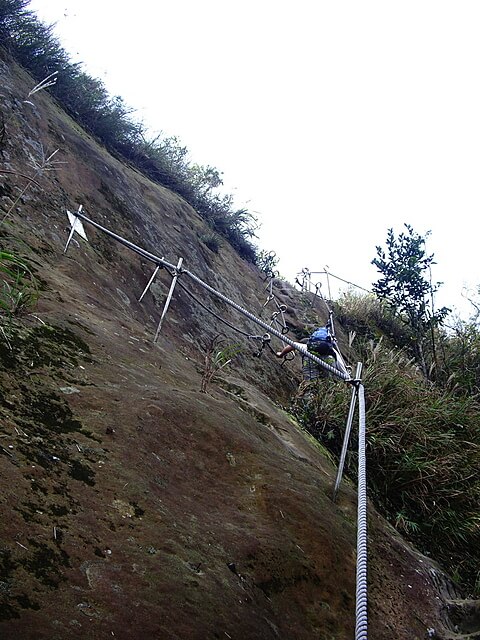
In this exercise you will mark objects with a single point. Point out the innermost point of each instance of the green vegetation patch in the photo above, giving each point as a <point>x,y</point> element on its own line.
<point>31,362</point>
<point>423,450</point>
<point>43,346</point>
<point>82,472</point>
<point>49,409</point>
<point>18,284</point>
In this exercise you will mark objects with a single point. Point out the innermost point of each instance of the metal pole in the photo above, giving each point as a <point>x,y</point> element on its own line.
<point>169,297</point>
<point>72,231</point>
<point>272,330</point>
<point>126,243</point>
<point>328,284</point>
<point>328,273</point>
<point>149,283</point>
<point>348,429</point>
<point>316,292</point>
<point>331,324</point>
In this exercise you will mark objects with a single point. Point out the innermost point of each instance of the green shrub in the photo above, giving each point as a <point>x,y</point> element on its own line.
<point>218,355</point>
<point>212,241</point>
<point>460,358</point>
<point>266,262</point>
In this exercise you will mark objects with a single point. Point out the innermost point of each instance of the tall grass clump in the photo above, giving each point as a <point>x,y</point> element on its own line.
<point>423,454</point>
<point>18,285</point>
<point>459,352</point>
<point>369,319</point>
<point>40,166</point>
<point>218,355</point>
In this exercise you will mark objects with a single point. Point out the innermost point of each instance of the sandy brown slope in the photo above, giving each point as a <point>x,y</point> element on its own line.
<point>133,505</point>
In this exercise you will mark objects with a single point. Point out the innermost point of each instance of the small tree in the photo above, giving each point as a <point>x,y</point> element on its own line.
<point>407,287</point>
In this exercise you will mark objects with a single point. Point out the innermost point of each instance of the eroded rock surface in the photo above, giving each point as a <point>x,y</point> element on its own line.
<point>134,505</point>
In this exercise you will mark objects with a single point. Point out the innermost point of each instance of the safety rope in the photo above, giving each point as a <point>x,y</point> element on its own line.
<point>275,332</point>
<point>265,338</point>
<point>305,286</point>
<point>361,622</point>
<point>361,596</point>
<point>161,261</point>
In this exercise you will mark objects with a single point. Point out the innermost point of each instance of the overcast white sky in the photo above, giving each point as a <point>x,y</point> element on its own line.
<point>333,120</point>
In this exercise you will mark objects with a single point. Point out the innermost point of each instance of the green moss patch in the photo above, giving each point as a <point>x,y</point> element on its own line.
<point>44,346</point>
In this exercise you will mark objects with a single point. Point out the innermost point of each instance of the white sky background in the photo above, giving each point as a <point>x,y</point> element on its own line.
<point>332,120</point>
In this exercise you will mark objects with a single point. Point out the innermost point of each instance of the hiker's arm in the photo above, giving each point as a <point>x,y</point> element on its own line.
<point>284,351</point>
<point>298,346</point>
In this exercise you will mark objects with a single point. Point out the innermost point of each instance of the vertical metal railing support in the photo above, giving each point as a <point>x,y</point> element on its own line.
<point>169,297</point>
<point>76,226</point>
<point>149,283</point>
<point>348,429</point>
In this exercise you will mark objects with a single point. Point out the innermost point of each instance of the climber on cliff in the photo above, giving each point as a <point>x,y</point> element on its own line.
<point>320,344</point>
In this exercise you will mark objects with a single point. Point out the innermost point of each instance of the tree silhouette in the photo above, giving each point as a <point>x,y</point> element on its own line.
<point>407,288</point>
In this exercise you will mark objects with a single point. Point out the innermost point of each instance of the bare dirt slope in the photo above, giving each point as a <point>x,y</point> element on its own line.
<point>134,506</point>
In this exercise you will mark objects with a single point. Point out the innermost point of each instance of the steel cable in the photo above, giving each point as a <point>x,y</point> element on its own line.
<point>361,586</point>
<point>161,261</point>
<point>278,334</point>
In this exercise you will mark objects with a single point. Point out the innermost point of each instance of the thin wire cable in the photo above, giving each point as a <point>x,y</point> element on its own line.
<point>204,306</point>
<point>280,308</point>
<point>331,327</point>
<point>307,275</point>
<point>126,243</point>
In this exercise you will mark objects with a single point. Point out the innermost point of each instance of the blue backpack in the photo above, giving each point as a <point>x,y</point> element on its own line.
<point>320,340</point>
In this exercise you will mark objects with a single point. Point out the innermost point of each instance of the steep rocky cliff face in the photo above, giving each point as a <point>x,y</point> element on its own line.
<point>134,506</point>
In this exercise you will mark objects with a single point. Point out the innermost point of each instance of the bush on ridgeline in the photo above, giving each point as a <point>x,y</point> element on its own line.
<point>369,318</point>
<point>163,159</point>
